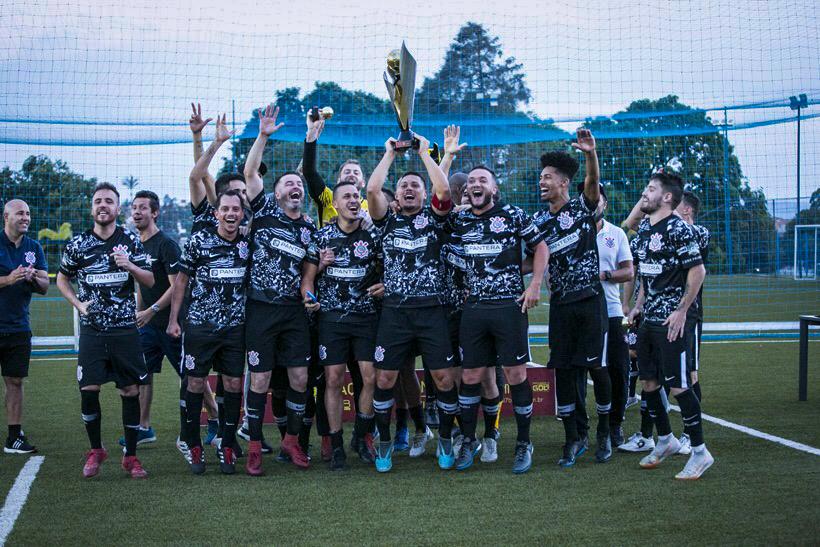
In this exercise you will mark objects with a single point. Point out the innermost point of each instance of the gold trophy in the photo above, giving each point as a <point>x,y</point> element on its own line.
<point>400,79</point>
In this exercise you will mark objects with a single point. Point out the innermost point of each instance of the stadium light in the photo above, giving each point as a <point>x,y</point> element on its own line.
<point>798,103</point>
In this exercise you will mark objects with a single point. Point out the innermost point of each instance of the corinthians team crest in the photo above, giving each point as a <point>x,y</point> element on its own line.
<point>243,249</point>
<point>253,358</point>
<point>497,224</point>
<point>419,222</point>
<point>121,249</point>
<point>305,236</point>
<point>564,220</point>
<point>360,249</point>
<point>609,242</point>
<point>655,242</point>
<point>30,258</point>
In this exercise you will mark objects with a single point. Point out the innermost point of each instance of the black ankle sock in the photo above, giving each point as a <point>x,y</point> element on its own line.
<point>691,413</point>
<point>193,407</point>
<point>401,418</point>
<point>233,402</point>
<point>565,382</point>
<point>92,416</point>
<point>602,385</point>
<point>489,408</point>
<point>647,425</point>
<point>131,422</point>
<point>698,393</point>
<point>521,395</point>
<point>417,415</point>
<point>337,439</point>
<point>14,431</point>
<point>469,397</point>
<point>447,404</point>
<point>219,396</point>
<point>256,413</point>
<point>363,425</point>
<point>657,410</point>
<point>296,402</point>
<point>383,406</point>
<point>183,413</point>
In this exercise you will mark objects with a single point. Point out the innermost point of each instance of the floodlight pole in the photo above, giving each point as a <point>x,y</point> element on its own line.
<point>726,201</point>
<point>798,103</point>
<point>233,128</point>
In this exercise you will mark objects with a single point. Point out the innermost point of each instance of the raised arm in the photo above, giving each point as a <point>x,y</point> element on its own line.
<point>315,182</point>
<point>438,180</point>
<point>267,127</point>
<point>452,133</point>
<point>376,202</point>
<point>592,180</point>
<point>199,189</point>
<point>200,169</point>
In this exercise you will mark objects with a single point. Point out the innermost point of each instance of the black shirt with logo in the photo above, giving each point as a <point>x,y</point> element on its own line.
<point>163,256</point>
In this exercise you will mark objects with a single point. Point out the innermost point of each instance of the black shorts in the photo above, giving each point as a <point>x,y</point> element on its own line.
<point>111,357</point>
<point>631,335</point>
<point>204,349</point>
<point>661,360</point>
<point>494,332</point>
<point>453,327</point>
<point>15,353</point>
<point>693,334</point>
<point>578,333</point>
<point>617,350</point>
<point>345,336</point>
<point>403,329</point>
<point>276,336</point>
<point>156,345</point>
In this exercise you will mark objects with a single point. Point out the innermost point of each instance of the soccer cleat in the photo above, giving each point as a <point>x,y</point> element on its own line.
<point>384,457</point>
<point>584,445</point>
<point>282,456</point>
<point>445,454</point>
<point>696,466</point>
<point>327,449</point>
<point>93,460</point>
<point>431,414</point>
<point>685,445</point>
<point>489,450</point>
<point>213,429</point>
<point>420,441</point>
<point>604,452</point>
<point>632,401</point>
<point>661,451</point>
<point>144,436</point>
<point>182,446</point>
<point>402,442</point>
<point>243,432</point>
<point>197,460</point>
<point>616,436</point>
<point>227,460</point>
<point>364,448</point>
<point>19,445</point>
<point>253,465</point>
<point>637,443</point>
<point>571,453</point>
<point>338,459</point>
<point>290,444</point>
<point>458,438</point>
<point>133,467</point>
<point>467,453</point>
<point>523,457</point>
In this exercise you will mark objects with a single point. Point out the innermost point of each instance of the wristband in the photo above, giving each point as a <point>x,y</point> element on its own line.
<point>155,308</point>
<point>441,205</point>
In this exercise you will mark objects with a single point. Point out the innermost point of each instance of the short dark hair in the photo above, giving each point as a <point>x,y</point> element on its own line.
<point>343,183</point>
<point>692,200</point>
<point>391,196</point>
<point>458,181</point>
<point>670,183</point>
<point>346,162</point>
<point>263,168</point>
<point>224,180</point>
<point>561,162</point>
<point>286,173</point>
<point>105,186</point>
<point>153,199</point>
<point>229,192</point>
<point>408,173</point>
<point>580,188</point>
<point>484,167</point>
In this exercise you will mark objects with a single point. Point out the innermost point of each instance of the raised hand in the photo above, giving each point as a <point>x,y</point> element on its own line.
<point>267,120</point>
<point>326,258</point>
<point>196,123</point>
<point>222,134</point>
<point>424,145</point>
<point>452,133</point>
<point>390,146</point>
<point>173,330</point>
<point>586,142</point>
<point>314,127</point>
<point>122,261</point>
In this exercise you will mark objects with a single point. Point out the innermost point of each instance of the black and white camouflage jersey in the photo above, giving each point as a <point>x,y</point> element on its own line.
<point>663,254</point>
<point>109,289</point>
<point>702,236</point>
<point>571,236</point>
<point>455,288</point>
<point>278,245</point>
<point>204,216</point>
<point>491,246</point>
<point>413,269</point>
<point>342,286</point>
<point>217,269</point>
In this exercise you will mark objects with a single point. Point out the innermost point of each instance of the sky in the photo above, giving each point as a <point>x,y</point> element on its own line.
<point>87,72</point>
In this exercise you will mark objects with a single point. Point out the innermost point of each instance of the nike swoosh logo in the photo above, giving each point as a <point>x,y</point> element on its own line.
<point>173,265</point>
<point>520,356</point>
<point>668,379</point>
<point>143,377</point>
<point>590,359</point>
<point>450,358</point>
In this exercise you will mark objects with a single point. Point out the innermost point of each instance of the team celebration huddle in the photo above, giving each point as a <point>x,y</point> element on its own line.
<point>430,265</point>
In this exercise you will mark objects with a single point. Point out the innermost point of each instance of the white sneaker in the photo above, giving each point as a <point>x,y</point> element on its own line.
<point>632,401</point>
<point>637,443</point>
<point>419,443</point>
<point>696,466</point>
<point>661,452</point>
<point>685,445</point>
<point>457,442</point>
<point>182,446</point>
<point>489,452</point>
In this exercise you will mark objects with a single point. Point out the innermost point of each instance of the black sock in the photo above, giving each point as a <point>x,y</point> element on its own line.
<point>337,439</point>
<point>430,389</point>
<point>521,395</point>
<point>383,406</point>
<point>357,381</point>
<point>698,393</point>
<point>296,402</point>
<point>322,425</point>
<point>193,407</point>
<point>654,403</point>
<point>256,413</point>
<point>233,402</point>
<point>469,397</point>
<point>280,412</point>
<point>14,431</point>
<point>447,404</point>
<point>690,411</point>
<point>633,377</point>
<point>489,408</point>
<point>304,434</point>
<point>647,425</point>
<point>401,418</point>
<point>183,413</point>
<point>92,416</point>
<point>131,422</point>
<point>565,392</point>
<point>602,386</point>
<point>363,424</point>
<point>219,395</point>
<point>282,424</point>
<point>417,415</point>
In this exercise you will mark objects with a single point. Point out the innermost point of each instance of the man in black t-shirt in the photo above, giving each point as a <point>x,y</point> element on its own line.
<point>105,261</point>
<point>671,272</point>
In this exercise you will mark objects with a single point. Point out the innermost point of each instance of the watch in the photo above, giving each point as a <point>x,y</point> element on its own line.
<point>607,276</point>
<point>155,308</point>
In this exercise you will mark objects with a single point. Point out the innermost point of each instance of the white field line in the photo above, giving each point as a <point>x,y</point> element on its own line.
<point>17,496</point>
<point>705,342</point>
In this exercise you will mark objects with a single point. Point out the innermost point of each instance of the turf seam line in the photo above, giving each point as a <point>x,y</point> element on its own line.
<point>17,496</point>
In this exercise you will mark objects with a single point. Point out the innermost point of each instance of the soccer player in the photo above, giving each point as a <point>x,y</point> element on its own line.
<point>671,270</point>
<point>23,271</point>
<point>577,304</point>
<point>412,311</point>
<point>106,260</point>
<point>344,256</point>
<point>277,330</point>
<point>494,321</point>
<point>214,264</point>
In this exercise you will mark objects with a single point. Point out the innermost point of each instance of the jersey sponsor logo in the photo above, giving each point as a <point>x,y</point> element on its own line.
<point>420,222</point>
<point>564,242</point>
<point>190,362</point>
<point>360,249</point>
<point>322,352</point>
<point>498,224</point>
<point>483,249</point>
<point>253,358</point>
<point>243,249</point>
<point>227,273</point>
<point>30,258</point>
<point>655,242</point>
<point>564,220</point>
<point>379,354</point>
<point>609,242</point>
<point>410,244</point>
<point>114,278</point>
<point>305,236</point>
<point>346,273</point>
<point>121,249</point>
<point>290,248</point>
<point>456,261</point>
<point>649,268</point>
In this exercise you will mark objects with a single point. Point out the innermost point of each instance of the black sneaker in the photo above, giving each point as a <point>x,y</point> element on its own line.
<point>364,451</point>
<point>571,452</point>
<point>338,459</point>
<point>227,460</point>
<point>283,457</point>
<point>604,452</point>
<point>20,445</point>
<point>617,436</point>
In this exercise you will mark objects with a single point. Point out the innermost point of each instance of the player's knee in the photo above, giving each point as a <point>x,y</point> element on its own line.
<point>649,385</point>
<point>472,375</point>
<point>515,375</point>
<point>298,379</point>
<point>675,391</point>
<point>13,383</point>
<point>334,377</point>
<point>232,384</point>
<point>130,391</point>
<point>260,381</point>
<point>444,380</point>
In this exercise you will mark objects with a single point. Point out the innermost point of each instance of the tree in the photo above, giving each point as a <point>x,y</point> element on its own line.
<point>130,183</point>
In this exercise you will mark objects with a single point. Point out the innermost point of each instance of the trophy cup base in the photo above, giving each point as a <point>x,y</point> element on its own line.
<point>405,141</point>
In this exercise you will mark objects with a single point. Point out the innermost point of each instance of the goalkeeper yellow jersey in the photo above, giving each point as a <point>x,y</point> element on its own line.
<point>328,211</point>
